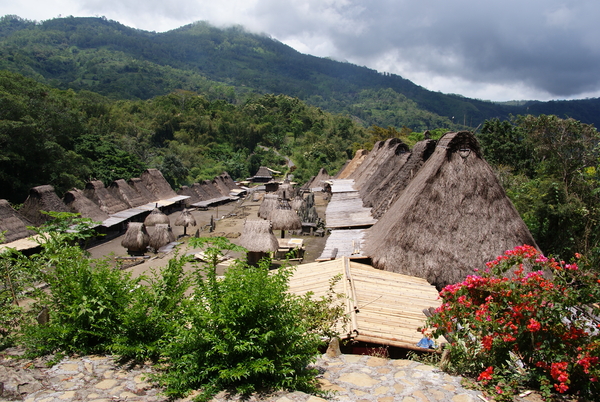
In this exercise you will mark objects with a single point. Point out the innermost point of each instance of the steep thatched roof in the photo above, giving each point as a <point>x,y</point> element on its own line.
<point>451,218</point>
<point>228,181</point>
<point>41,198</point>
<point>185,219</point>
<point>258,236</point>
<point>285,218</point>
<point>286,191</point>
<point>267,206</point>
<point>14,224</point>
<point>379,162</point>
<point>96,192</point>
<point>193,196</point>
<point>263,173</point>
<point>381,193</point>
<point>210,189</point>
<point>317,181</point>
<point>139,186</point>
<point>120,190</point>
<point>161,236</point>
<point>154,180</point>
<point>220,185</point>
<point>349,169</point>
<point>136,239</point>
<point>156,217</point>
<point>298,203</point>
<point>77,202</point>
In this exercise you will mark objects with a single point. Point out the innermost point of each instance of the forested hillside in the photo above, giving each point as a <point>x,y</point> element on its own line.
<point>124,63</point>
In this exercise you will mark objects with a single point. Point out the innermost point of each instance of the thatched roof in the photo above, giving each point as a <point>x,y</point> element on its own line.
<point>156,217</point>
<point>285,218</point>
<point>124,192</point>
<point>358,159</point>
<point>136,238</point>
<point>298,203</point>
<point>258,236</point>
<point>317,181</point>
<point>210,189</point>
<point>185,219</point>
<point>267,206</point>
<point>451,218</point>
<point>228,181</point>
<point>200,190</point>
<point>263,173</point>
<point>380,162</point>
<point>96,192</point>
<point>77,202</point>
<point>381,193</point>
<point>41,198</point>
<point>220,185</point>
<point>141,188</point>
<point>286,191</point>
<point>161,236</point>
<point>154,180</point>
<point>14,224</point>
<point>193,196</point>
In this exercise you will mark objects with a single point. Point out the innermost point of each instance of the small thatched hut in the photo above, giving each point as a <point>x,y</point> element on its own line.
<point>14,224</point>
<point>258,238</point>
<point>284,218</point>
<point>193,196</point>
<point>451,218</point>
<point>286,191</point>
<point>185,219</point>
<point>154,181</point>
<point>161,236</point>
<point>41,198</point>
<point>139,186</point>
<point>96,192</point>
<point>77,202</point>
<point>136,239</point>
<point>267,206</point>
<point>124,192</point>
<point>156,217</point>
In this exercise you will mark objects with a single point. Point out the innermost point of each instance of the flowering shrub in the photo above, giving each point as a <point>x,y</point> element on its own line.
<point>525,321</point>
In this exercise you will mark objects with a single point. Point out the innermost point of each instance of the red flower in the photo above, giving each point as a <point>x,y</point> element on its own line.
<point>533,325</point>
<point>486,374</point>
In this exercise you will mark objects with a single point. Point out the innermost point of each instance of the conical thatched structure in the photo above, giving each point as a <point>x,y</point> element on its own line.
<point>284,218</point>
<point>156,217</point>
<point>193,196</point>
<point>96,192</point>
<point>219,183</point>
<point>41,198</point>
<point>267,206</point>
<point>139,186</point>
<point>286,191</point>
<point>298,203</point>
<point>161,236</point>
<point>379,161</point>
<point>77,202</point>
<point>185,219</point>
<point>14,224</point>
<point>358,159</point>
<point>258,238</point>
<point>451,218</point>
<point>120,190</point>
<point>136,239</point>
<point>154,181</point>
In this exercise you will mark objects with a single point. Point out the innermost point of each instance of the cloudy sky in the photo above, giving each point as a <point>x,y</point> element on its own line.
<point>486,49</point>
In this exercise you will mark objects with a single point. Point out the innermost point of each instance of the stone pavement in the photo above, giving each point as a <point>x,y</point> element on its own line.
<point>347,377</point>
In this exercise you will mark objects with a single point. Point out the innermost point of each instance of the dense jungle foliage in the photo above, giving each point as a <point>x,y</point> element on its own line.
<point>109,58</point>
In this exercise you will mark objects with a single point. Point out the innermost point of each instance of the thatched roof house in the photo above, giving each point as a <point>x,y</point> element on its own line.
<point>258,238</point>
<point>77,202</point>
<point>161,236</point>
<point>139,186</point>
<point>379,161</point>
<point>120,190</point>
<point>286,191</point>
<point>156,217</point>
<point>263,175</point>
<point>41,198</point>
<point>318,180</point>
<point>200,190</point>
<point>154,181</point>
<point>210,189</point>
<point>193,196</point>
<point>96,192</point>
<point>349,168</point>
<point>267,206</point>
<point>219,183</point>
<point>14,224</point>
<point>136,239</point>
<point>451,218</point>
<point>226,178</point>
<point>285,218</point>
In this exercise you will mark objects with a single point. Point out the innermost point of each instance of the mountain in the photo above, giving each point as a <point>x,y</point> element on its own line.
<point>125,63</point>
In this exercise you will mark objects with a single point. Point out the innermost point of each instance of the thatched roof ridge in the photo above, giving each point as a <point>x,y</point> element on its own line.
<point>258,236</point>
<point>380,194</point>
<point>161,236</point>
<point>452,218</point>
<point>193,196</point>
<point>139,186</point>
<point>220,185</point>
<point>388,157</point>
<point>200,190</point>
<point>210,189</point>
<point>185,219</point>
<point>41,198</point>
<point>267,206</point>
<point>317,181</point>
<point>263,172</point>
<point>13,223</point>
<point>120,190</point>
<point>389,148</point>
<point>339,172</point>
<point>136,239</point>
<point>156,217</point>
<point>95,191</point>
<point>229,181</point>
<point>154,180</point>
<point>77,202</point>
<point>358,159</point>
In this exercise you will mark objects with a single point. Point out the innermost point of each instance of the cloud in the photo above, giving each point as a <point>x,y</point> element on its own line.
<point>500,50</point>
